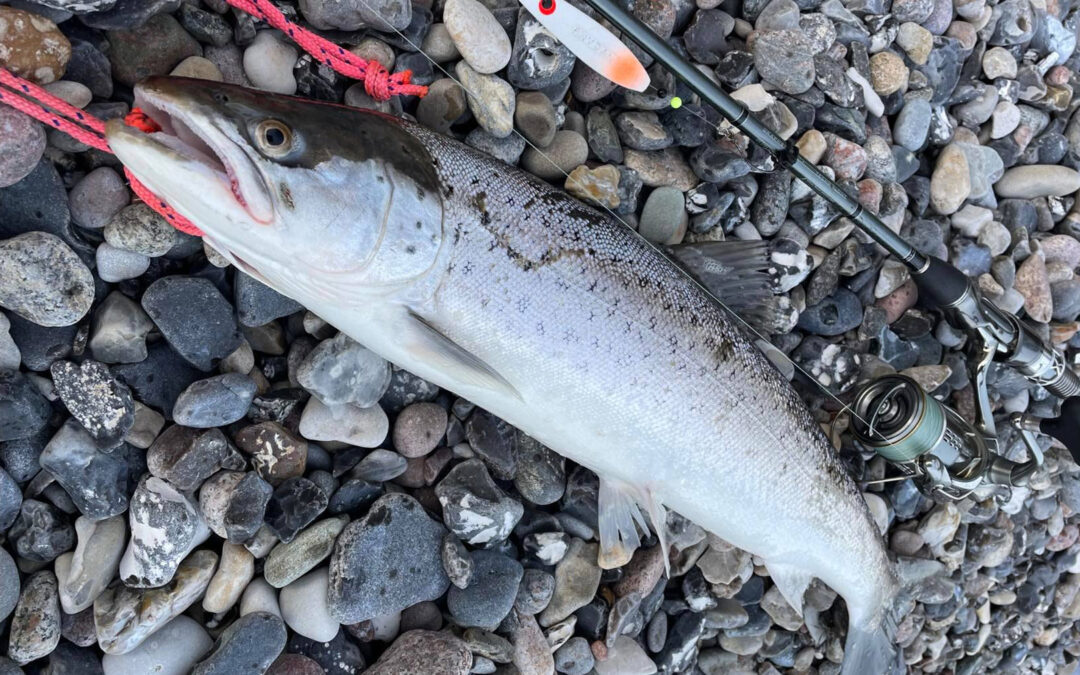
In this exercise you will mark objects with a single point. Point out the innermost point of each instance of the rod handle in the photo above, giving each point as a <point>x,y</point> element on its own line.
<point>941,284</point>
<point>1066,427</point>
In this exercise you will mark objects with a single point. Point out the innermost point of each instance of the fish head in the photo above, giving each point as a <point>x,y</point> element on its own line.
<point>320,201</point>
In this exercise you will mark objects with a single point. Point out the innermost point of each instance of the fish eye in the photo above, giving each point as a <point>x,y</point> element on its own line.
<point>273,138</point>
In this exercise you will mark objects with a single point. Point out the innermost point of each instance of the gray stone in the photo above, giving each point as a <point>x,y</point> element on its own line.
<point>416,651</point>
<point>119,330</point>
<point>175,650</point>
<point>395,535</point>
<point>35,626</point>
<point>288,562</point>
<point>340,370</point>
<point>43,280</point>
<point>165,527</point>
<point>215,401</point>
<point>490,594</point>
<point>97,481</point>
<point>94,562</point>
<point>474,508</point>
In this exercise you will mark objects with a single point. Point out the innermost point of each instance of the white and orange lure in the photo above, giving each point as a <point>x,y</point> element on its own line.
<point>590,42</point>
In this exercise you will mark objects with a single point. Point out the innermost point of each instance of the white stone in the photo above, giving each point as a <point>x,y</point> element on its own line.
<point>116,264</point>
<point>1038,180</point>
<point>362,427</point>
<point>93,564</point>
<point>10,356</point>
<point>260,596</point>
<point>1004,119</point>
<point>269,61</point>
<point>304,607</point>
<point>173,650</point>
<point>971,219</point>
<point>477,35</point>
<point>878,509</point>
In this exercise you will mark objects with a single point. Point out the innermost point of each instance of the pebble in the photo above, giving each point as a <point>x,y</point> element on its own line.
<point>538,59</point>
<point>165,526</point>
<point>139,229</point>
<point>93,564</point>
<point>664,218</point>
<point>479,38</point>
<point>395,528</point>
<point>289,561</point>
<point>173,650</point>
<point>474,507</point>
<point>269,61</point>
<point>234,572</point>
<point>198,68</point>
<point>259,596</point>
<point>443,106</point>
<point>625,657</point>
<point>295,503</point>
<point>22,143</point>
<point>215,401</point>
<point>785,59</point>
<point>1034,285</point>
<point>185,457</point>
<point>124,617</point>
<point>96,481</point>
<point>416,650</point>
<point>97,198</point>
<point>9,584</point>
<point>304,606</point>
<point>340,370</point>
<point>249,644</point>
<point>566,152</point>
<point>535,117</point>
<point>195,318</point>
<point>41,533</point>
<point>577,576</point>
<point>130,59</point>
<point>103,406</point>
<point>950,184</point>
<point>490,594</point>
<point>276,454</point>
<point>114,264</point>
<point>1038,180</point>
<point>119,330</point>
<point>888,74</point>
<point>362,427</point>
<point>491,99</point>
<point>43,280</point>
<point>999,62</point>
<point>33,47</point>
<point>383,15</point>
<point>35,625</point>
<point>257,304</point>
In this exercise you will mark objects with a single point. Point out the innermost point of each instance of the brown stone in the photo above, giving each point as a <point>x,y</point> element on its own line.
<point>31,46</point>
<point>275,453</point>
<point>1034,284</point>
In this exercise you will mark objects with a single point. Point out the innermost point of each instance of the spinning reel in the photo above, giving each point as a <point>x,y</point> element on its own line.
<point>947,456</point>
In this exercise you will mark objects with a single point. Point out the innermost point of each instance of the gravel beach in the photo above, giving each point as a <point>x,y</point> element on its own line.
<point>197,475</point>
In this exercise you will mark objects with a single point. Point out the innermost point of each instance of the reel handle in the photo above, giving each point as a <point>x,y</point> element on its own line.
<point>1066,427</point>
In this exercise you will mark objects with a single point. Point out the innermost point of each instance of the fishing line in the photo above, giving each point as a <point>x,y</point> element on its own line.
<point>844,406</point>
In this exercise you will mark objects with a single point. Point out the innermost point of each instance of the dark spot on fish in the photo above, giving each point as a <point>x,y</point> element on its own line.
<point>420,192</point>
<point>410,249</point>
<point>380,179</point>
<point>286,196</point>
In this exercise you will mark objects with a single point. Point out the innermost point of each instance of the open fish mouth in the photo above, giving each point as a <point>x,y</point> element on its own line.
<point>189,144</point>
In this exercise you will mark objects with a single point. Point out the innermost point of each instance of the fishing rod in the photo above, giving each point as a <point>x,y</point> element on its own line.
<point>893,416</point>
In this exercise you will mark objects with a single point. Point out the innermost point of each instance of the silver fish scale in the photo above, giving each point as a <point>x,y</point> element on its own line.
<point>627,367</point>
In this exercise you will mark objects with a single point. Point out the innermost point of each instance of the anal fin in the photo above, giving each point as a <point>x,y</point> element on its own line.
<point>792,582</point>
<point>620,515</point>
<point>430,345</point>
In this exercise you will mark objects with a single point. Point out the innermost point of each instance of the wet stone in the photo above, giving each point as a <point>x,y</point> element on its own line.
<point>92,395</point>
<point>534,591</point>
<point>251,643</point>
<point>295,503</point>
<point>194,317</point>
<point>186,456</point>
<point>493,440</point>
<point>474,507</point>
<point>23,410</point>
<point>215,401</point>
<point>276,454</point>
<point>397,544</point>
<point>541,473</point>
<point>41,532</point>
<point>126,616</point>
<point>258,304</point>
<point>490,594</point>
<point>340,370</point>
<point>35,625</point>
<point>165,526</point>
<point>97,481</point>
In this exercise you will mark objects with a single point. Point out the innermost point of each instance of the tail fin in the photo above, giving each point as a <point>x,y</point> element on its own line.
<point>870,651</point>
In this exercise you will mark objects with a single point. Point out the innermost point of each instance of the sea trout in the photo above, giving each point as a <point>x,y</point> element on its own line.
<point>550,314</point>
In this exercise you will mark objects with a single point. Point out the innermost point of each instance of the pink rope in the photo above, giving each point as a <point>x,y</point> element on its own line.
<point>28,98</point>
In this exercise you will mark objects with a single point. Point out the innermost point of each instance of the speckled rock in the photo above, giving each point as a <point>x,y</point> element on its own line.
<point>32,46</point>
<point>427,651</point>
<point>92,395</point>
<point>35,626</point>
<point>165,527</point>
<point>289,561</point>
<point>43,280</point>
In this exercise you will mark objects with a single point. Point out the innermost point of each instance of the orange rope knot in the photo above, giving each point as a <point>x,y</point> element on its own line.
<point>141,121</point>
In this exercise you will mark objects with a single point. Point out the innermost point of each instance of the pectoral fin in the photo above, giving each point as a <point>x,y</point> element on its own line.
<point>620,515</point>
<point>429,345</point>
<point>792,582</point>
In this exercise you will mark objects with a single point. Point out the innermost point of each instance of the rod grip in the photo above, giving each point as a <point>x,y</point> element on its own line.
<point>941,284</point>
<point>1066,427</point>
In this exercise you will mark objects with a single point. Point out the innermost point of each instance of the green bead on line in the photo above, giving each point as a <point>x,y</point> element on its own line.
<point>676,102</point>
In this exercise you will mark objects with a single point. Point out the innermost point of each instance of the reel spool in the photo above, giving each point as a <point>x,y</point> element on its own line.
<point>926,440</point>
